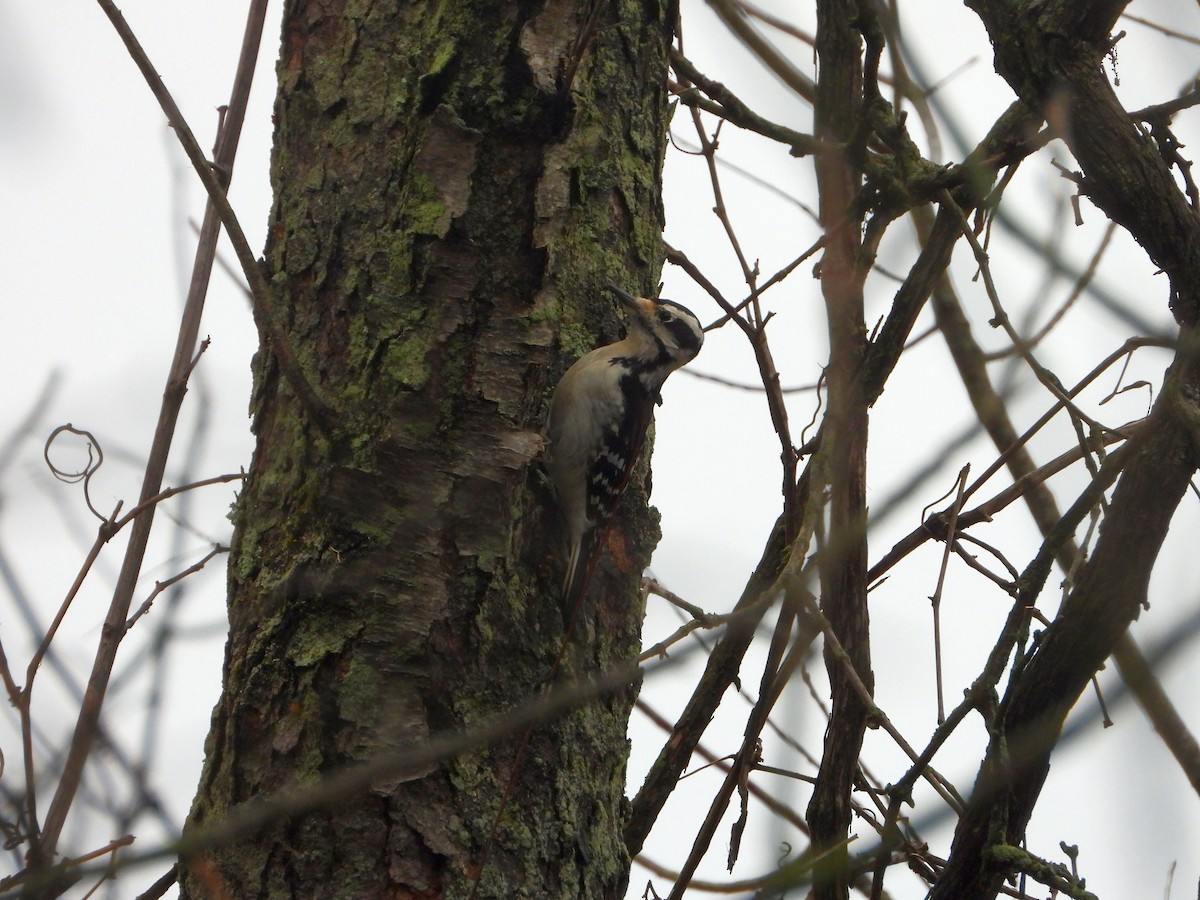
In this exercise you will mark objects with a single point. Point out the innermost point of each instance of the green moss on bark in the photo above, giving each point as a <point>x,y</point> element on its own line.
<point>446,213</point>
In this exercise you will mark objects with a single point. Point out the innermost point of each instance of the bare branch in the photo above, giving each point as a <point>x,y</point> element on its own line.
<point>265,312</point>
<point>44,845</point>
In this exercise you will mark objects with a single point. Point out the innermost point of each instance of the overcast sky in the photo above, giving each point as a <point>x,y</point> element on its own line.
<point>95,248</point>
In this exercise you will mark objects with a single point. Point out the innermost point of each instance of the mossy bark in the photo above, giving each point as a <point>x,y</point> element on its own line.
<point>453,183</point>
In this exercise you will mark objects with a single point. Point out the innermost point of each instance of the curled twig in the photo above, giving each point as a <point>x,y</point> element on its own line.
<point>83,475</point>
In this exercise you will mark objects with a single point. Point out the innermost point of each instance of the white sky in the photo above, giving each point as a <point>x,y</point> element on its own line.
<point>95,248</point>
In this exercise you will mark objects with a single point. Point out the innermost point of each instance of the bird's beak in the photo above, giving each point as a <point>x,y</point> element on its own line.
<point>640,305</point>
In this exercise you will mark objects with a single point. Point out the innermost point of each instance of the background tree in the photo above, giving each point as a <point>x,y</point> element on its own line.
<point>451,189</point>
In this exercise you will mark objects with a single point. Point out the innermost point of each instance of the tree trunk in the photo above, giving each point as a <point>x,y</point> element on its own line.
<point>453,184</point>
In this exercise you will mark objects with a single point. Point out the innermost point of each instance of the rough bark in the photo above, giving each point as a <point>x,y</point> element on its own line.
<point>453,183</point>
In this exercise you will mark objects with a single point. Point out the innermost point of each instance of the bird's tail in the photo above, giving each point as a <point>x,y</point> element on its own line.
<point>579,571</point>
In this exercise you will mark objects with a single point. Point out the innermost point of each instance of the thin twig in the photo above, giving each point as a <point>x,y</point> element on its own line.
<point>743,386</point>
<point>168,493</point>
<point>160,887</point>
<point>778,807</point>
<point>795,870</point>
<point>755,333</point>
<point>940,784</point>
<point>1008,586</point>
<point>160,586</point>
<point>1100,368</point>
<point>1081,283</point>
<point>269,320</point>
<point>763,49</point>
<point>729,106</point>
<point>1162,29</point>
<point>43,846</point>
<point>295,801</point>
<point>936,599</point>
<point>1044,375</point>
<point>986,510</point>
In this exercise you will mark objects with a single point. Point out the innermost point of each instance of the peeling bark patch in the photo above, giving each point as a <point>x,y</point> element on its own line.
<point>446,159</point>
<point>517,449</point>
<point>553,198</point>
<point>547,41</point>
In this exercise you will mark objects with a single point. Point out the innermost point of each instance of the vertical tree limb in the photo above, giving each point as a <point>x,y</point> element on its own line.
<point>844,554</point>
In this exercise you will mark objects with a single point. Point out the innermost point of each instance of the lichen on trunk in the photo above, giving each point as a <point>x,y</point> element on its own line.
<point>453,183</point>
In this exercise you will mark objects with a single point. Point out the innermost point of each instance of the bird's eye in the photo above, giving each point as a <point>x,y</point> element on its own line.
<point>665,315</point>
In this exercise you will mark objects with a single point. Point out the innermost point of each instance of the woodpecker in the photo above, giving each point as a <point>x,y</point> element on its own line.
<point>599,414</point>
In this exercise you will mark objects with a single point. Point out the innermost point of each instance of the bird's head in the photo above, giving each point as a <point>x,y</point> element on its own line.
<point>668,335</point>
